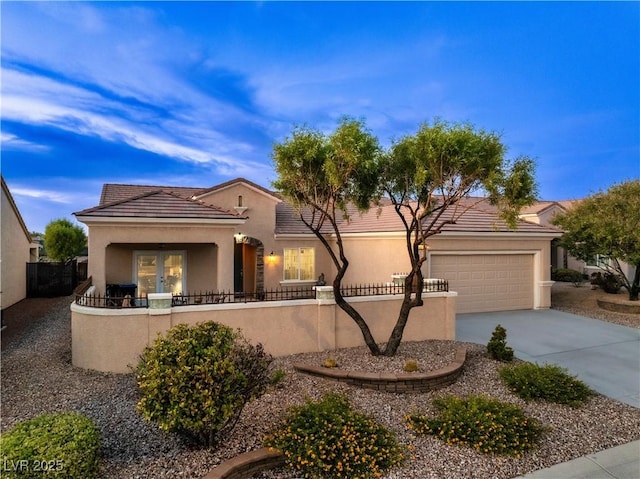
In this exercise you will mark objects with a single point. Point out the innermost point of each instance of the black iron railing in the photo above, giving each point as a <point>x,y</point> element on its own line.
<point>279,294</point>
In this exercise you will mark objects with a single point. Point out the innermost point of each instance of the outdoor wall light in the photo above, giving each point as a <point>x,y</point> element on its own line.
<point>239,237</point>
<point>271,258</point>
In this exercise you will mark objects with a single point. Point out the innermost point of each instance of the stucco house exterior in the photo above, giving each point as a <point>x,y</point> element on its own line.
<point>542,213</point>
<point>17,249</point>
<point>239,236</point>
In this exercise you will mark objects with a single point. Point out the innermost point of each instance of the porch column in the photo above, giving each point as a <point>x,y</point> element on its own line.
<point>225,264</point>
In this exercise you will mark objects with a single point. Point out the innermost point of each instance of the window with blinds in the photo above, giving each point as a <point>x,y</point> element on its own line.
<point>299,264</point>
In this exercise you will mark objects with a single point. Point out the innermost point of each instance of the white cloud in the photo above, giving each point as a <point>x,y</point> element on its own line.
<point>12,142</point>
<point>46,195</point>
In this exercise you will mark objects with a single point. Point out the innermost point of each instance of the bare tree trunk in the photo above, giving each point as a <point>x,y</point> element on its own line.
<point>634,290</point>
<point>408,303</point>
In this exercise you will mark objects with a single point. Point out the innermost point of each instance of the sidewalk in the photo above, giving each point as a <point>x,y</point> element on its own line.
<point>620,462</point>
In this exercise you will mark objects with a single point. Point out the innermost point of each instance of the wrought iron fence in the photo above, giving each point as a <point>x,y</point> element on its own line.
<point>279,294</point>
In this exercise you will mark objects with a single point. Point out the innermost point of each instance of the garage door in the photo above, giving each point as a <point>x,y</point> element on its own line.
<point>489,282</point>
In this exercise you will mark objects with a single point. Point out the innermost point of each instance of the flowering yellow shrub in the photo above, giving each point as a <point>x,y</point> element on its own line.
<point>329,439</point>
<point>487,425</point>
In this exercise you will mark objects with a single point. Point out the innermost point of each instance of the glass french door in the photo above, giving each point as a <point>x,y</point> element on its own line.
<point>160,272</point>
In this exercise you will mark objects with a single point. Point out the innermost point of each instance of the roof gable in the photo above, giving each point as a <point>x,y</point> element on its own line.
<point>160,205</point>
<point>239,181</point>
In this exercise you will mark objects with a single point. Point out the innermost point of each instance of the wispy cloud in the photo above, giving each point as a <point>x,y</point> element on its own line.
<point>13,142</point>
<point>125,93</point>
<point>46,195</point>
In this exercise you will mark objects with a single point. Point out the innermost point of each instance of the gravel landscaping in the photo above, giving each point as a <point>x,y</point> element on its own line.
<point>37,377</point>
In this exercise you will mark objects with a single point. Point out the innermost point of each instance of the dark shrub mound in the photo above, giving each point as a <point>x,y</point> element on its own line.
<point>546,383</point>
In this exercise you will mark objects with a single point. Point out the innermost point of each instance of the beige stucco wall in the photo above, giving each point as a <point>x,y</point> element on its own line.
<point>374,259</point>
<point>113,245</point>
<point>14,255</point>
<point>111,340</point>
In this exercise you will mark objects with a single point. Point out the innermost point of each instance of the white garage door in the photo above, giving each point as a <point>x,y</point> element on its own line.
<point>487,282</point>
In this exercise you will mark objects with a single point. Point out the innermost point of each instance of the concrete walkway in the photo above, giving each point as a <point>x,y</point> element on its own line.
<point>604,355</point>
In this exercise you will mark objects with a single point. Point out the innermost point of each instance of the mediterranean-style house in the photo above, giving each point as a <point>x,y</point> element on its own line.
<point>16,249</point>
<point>239,236</point>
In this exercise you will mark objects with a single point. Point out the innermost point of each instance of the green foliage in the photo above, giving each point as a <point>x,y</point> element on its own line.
<point>277,377</point>
<point>487,425</point>
<point>329,439</point>
<point>609,282</point>
<point>497,345</point>
<point>547,383</point>
<point>196,380</point>
<point>607,224</point>
<point>424,175</point>
<point>51,445</point>
<point>567,276</point>
<point>63,240</point>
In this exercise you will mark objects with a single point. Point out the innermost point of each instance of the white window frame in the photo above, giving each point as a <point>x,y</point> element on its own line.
<point>298,279</point>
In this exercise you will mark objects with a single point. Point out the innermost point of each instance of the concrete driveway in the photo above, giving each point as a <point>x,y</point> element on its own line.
<point>604,355</point>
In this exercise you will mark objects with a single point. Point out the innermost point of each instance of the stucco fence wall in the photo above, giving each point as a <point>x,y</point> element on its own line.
<point>111,340</point>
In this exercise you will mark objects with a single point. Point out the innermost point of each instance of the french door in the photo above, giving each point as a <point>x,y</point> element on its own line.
<point>160,272</point>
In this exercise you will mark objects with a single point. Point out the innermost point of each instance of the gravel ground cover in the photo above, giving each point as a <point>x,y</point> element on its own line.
<point>37,377</point>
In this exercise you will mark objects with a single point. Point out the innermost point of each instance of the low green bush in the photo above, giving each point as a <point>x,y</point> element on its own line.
<point>329,439</point>
<point>61,445</point>
<point>567,276</point>
<point>196,380</point>
<point>546,383</point>
<point>497,346</point>
<point>487,425</point>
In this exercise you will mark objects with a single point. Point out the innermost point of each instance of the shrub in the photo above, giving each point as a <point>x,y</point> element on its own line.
<point>196,380</point>
<point>547,383</point>
<point>487,425</point>
<point>277,377</point>
<point>329,439</point>
<point>497,345</point>
<point>410,366</point>
<point>567,276</point>
<point>330,363</point>
<point>51,445</point>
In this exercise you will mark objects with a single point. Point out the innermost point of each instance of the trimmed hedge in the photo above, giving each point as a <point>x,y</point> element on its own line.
<point>567,276</point>
<point>61,445</point>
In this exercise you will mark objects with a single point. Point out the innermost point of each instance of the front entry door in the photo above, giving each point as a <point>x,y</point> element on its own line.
<point>160,272</point>
<point>244,265</point>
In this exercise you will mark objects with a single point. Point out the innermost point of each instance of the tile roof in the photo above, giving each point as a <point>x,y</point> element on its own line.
<point>158,204</point>
<point>119,200</point>
<point>115,192</point>
<point>480,218</point>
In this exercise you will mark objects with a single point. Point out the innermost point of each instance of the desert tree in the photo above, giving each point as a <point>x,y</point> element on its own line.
<point>607,224</point>
<point>425,176</point>
<point>324,177</point>
<point>428,175</point>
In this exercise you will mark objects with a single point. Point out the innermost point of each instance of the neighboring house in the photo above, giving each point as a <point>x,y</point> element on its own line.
<point>239,236</point>
<point>542,213</point>
<point>17,249</point>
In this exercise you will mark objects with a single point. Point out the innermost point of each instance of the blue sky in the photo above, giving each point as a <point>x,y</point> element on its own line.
<point>194,94</point>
